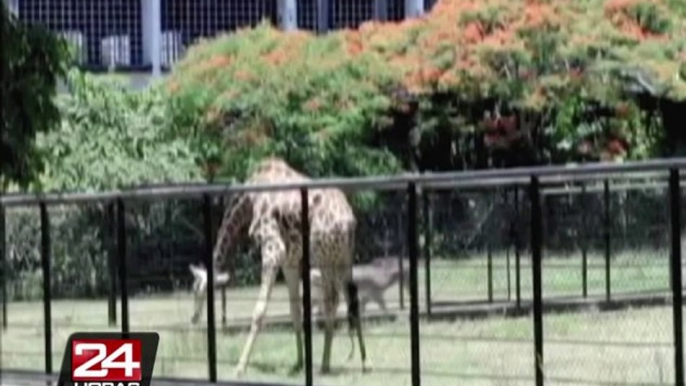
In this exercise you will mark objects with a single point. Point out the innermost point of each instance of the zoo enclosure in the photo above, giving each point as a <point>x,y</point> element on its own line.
<point>529,181</point>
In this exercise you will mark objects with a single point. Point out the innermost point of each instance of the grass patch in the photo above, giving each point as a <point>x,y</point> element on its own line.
<point>623,347</point>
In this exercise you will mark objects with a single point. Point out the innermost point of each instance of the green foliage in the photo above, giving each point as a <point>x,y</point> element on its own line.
<point>498,82</point>
<point>33,59</point>
<point>112,137</point>
<point>320,119</point>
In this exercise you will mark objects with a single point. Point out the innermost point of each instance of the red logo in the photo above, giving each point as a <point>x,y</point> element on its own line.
<point>117,360</point>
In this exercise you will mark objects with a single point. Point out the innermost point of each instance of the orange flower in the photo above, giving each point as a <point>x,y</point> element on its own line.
<point>473,32</point>
<point>219,61</point>
<point>312,105</point>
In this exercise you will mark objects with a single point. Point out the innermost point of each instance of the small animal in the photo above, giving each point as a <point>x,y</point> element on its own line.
<point>372,279</point>
<point>199,272</point>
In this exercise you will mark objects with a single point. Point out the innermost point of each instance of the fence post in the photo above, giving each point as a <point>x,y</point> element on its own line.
<point>536,256</point>
<point>507,254</point>
<point>112,266</point>
<point>209,263</point>
<point>518,288</point>
<point>414,308</point>
<point>401,279</point>
<point>307,291</point>
<point>608,250</point>
<point>46,250</point>
<point>584,241</point>
<point>489,271</point>
<point>3,256</point>
<point>677,300</point>
<point>428,235</point>
<point>121,256</point>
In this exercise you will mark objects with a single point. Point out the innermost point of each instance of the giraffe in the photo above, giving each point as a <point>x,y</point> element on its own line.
<point>273,222</point>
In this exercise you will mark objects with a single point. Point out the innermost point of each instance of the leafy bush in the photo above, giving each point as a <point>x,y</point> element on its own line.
<point>112,137</point>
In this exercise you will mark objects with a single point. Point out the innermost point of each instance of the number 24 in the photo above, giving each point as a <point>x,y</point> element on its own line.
<point>106,362</point>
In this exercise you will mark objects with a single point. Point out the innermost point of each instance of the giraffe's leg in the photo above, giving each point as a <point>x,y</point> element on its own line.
<point>292,276</point>
<point>273,251</point>
<point>330,300</point>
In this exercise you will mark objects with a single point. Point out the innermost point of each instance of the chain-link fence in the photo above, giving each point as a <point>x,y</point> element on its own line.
<point>501,262</point>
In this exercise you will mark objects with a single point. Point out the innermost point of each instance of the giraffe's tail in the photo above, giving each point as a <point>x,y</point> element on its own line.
<point>354,321</point>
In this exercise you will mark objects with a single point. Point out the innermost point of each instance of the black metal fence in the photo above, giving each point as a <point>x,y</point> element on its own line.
<point>546,239</point>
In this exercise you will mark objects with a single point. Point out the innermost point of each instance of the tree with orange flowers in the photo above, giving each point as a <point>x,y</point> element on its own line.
<point>471,84</point>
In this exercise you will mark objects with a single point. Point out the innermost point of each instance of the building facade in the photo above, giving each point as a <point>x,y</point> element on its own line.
<point>145,37</point>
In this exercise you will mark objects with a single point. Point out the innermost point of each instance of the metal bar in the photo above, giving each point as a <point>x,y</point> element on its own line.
<point>622,187</point>
<point>677,303</point>
<point>507,262</point>
<point>401,279</point>
<point>608,250</point>
<point>489,259</point>
<point>428,235</point>
<point>517,245</point>
<point>414,301</point>
<point>112,266</point>
<point>224,306</point>
<point>459,179</point>
<point>121,256</point>
<point>209,263</point>
<point>307,291</point>
<point>584,242</point>
<point>46,250</point>
<point>536,256</point>
<point>489,272</point>
<point>3,256</point>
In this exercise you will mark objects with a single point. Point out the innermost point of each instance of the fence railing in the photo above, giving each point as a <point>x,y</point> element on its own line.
<point>535,182</point>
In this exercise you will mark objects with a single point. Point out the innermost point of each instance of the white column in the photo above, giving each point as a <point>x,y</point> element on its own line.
<point>151,18</point>
<point>381,10</point>
<point>13,7</point>
<point>323,16</point>
<point>414,8</point>
<point>287,14</point>
<point>155,41</point>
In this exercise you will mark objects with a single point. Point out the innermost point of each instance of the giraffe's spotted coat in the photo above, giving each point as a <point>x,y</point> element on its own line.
<point>273,222</point>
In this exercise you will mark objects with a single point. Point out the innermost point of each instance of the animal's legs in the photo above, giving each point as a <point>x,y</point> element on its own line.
<point>272,254</point>
<point>199,293</point>
<point>292,276</point>
<point>330,299</point>
<point>379,299</point>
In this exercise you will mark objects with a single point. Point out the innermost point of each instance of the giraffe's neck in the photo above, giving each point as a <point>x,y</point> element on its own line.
<point>232,223</point>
